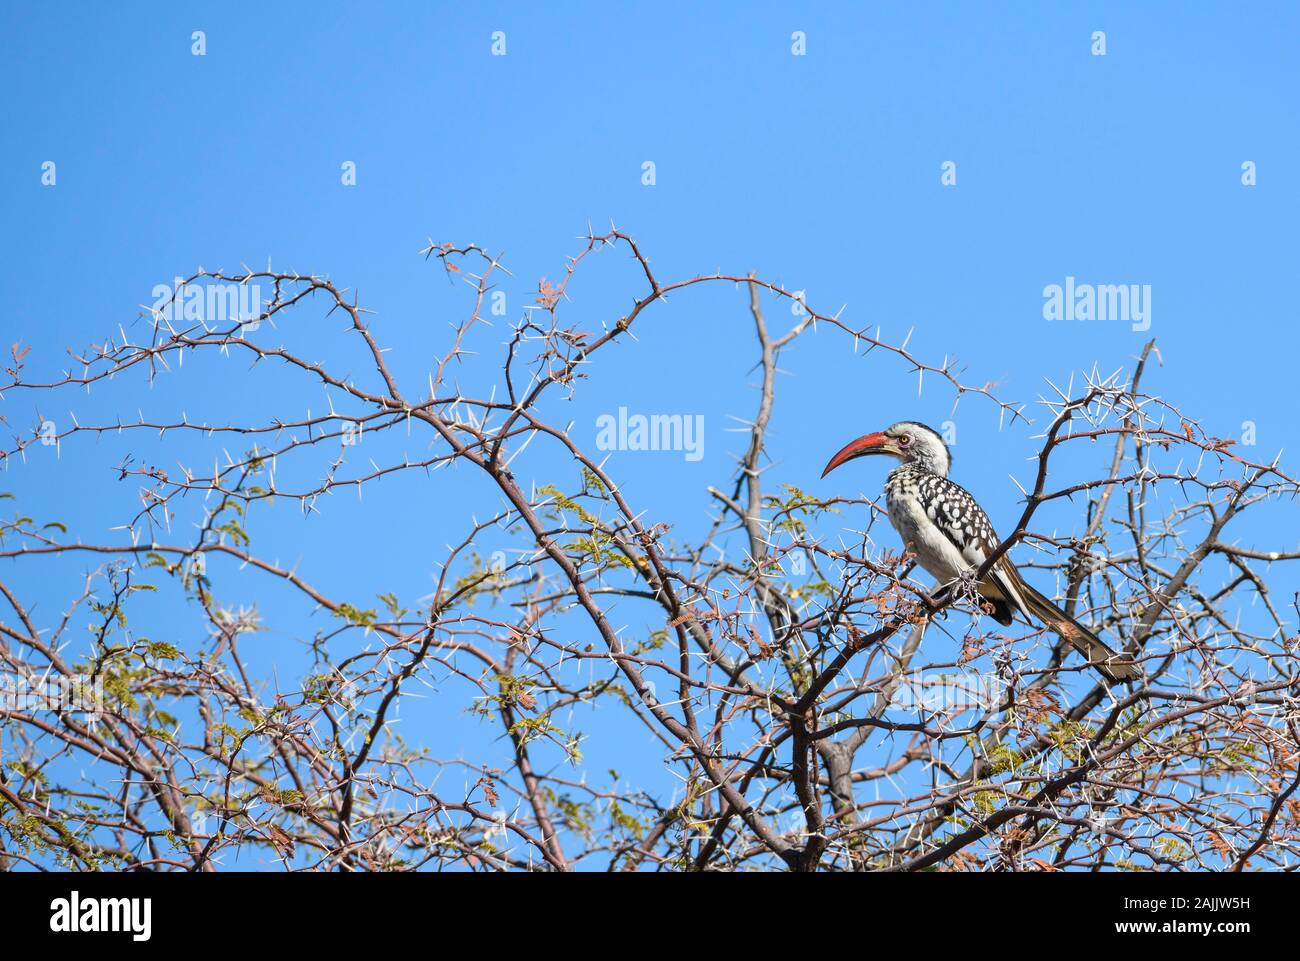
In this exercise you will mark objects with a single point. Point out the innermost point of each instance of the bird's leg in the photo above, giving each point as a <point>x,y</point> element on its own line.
<point>927,599</point>
<point>930,601</point>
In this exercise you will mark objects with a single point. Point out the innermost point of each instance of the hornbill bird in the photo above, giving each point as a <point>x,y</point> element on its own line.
<point>949,535</point>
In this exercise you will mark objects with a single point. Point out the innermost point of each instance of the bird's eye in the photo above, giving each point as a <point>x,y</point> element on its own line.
<point>904,440</point>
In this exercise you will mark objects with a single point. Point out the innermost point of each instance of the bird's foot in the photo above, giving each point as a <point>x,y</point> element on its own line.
<point>930,602</point>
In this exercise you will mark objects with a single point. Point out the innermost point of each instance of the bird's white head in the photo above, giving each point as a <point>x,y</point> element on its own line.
<point>910,442</point>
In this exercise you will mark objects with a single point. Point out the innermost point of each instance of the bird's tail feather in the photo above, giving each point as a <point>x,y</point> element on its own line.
<point>1112,665</point>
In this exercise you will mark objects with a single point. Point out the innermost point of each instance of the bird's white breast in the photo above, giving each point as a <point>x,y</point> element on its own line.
<point>936,554</point>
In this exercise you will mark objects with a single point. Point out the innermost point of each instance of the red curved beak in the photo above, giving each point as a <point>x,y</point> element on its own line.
<point>876,443</point>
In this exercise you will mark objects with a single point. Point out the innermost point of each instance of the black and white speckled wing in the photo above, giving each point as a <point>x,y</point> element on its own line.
<point>959,517</point>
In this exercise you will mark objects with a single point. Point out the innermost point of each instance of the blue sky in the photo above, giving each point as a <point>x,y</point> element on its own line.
<point>820,172</point>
